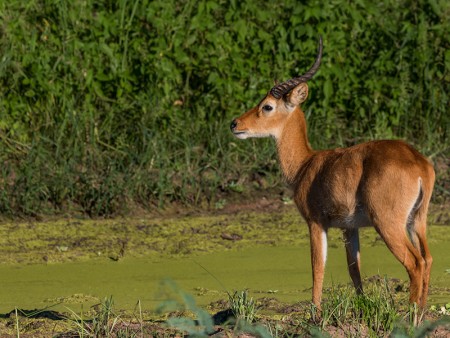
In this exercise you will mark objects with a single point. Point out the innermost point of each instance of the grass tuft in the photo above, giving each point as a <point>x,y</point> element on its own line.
<point>243,306</point>
<point>374,311</point>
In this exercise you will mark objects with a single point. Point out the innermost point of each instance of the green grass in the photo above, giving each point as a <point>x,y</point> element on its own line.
<point>343,314</point>
<point>109,105</point>
<point>373,314</point>
<point>375,311</point>
<point>243,306</point>
<point>102,324</point>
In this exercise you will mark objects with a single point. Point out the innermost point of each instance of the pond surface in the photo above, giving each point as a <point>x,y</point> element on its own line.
<point>281,271</point>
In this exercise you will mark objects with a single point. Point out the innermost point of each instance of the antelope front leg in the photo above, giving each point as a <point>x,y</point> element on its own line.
<point>351,238</point>
<point>318,239</point>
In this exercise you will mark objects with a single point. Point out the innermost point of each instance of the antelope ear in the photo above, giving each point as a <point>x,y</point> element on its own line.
<point>298,95</point>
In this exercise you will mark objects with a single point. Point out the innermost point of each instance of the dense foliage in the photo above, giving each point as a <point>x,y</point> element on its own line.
<point>106,103</point>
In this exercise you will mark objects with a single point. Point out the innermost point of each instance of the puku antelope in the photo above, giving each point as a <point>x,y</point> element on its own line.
<point>386,184</point>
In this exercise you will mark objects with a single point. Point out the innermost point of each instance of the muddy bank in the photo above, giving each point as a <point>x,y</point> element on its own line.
<point>264,224</point>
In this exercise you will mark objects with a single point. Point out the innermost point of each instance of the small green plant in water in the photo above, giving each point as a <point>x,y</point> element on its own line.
<point>243,306</point>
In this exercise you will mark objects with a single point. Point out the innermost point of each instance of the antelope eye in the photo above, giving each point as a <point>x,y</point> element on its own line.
<point>267,108</point>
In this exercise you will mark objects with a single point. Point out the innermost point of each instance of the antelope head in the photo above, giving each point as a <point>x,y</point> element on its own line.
<point>270,116</point>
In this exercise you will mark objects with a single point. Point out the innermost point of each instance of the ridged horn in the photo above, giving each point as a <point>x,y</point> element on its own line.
<point>283,88</point>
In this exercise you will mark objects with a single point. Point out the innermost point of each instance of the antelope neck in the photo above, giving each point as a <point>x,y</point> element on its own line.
<point>293,146</point>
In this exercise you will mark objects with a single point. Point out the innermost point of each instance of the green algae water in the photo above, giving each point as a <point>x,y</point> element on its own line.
<point>283,272</point>
<point>75,264</point>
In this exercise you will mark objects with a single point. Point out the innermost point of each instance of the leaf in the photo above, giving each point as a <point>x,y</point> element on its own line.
<point>447,60</point>
<point>328,89</point>
<point>29,93</point>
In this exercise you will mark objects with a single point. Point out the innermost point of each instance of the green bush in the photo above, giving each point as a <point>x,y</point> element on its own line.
<point>106,103</point>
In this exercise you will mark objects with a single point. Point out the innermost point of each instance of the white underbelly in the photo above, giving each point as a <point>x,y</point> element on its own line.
<point>357,220</point>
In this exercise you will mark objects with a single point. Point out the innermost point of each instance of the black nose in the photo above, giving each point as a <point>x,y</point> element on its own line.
<point>233,125</point>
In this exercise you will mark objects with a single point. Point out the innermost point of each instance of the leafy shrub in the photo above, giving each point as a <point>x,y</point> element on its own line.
<point>111,102</point>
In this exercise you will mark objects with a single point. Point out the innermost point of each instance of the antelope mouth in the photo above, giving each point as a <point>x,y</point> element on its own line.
<point>240,134</point>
